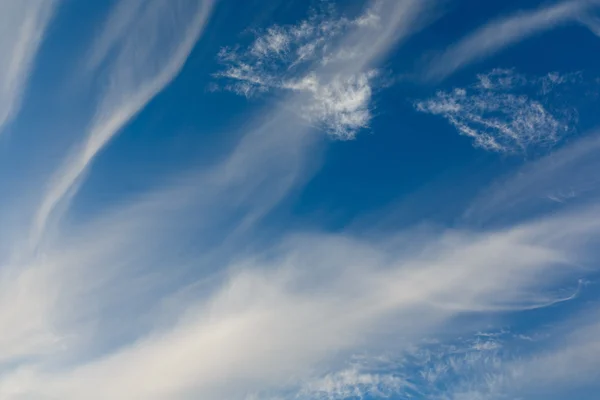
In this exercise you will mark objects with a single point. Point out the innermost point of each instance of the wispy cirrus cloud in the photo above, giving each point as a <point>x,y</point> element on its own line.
<point>279,57</point>
<point>142,48</point>
<point>507,112</point>
<point>354,382</point>
<point>102,272</point>
<point>503,32</point>
<point>212,314</point>
<point>312,58</point>
<point>538,186</point>
<point>23,24</point>
<point>568,362</point>
<point>561,361</point>
<point>279,317</point>
<point>297,309</point>
<point>592,23</point>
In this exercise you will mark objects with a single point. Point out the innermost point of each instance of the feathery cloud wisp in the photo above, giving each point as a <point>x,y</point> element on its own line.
<point>270,320</point>
<point>150,46</point>
<point>279,57</point>
<point>558,362</point>
<point>320,60</point>
<point>22,27</point>
<point>505,112</point>
<point>504,32</point>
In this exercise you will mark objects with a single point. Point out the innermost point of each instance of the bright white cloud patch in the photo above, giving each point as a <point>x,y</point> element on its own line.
<point>307,58</point>
<point>341,106</point>
<point>506,112</point>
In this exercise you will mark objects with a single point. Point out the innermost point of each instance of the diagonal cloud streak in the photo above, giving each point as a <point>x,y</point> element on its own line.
<point>143,49</point>
<point>22,27</point>
<point>504,32</point>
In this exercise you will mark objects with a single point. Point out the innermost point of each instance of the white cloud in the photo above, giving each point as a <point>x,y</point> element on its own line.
<point>353,383</point>
<point>531,191</point>
<point>320,58</point>
<point>505,112</point>
<point>564,361</point>
<point>102,272</point>
<point>150,45</point>
<point>280,320</point>
<point>277,54</point>
<point>592,23</point>
<point>503,32</point>
<point>26,302</point>
<point>276,318</point>
<point>279,57</point>
<point>570,361</point>
<point>340,106</point>
<point>22,27</point>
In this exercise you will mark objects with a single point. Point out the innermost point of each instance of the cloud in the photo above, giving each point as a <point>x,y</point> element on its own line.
<point>25,306</point>
<point>506,112</point>
<point>570,361</point>
<point>214,312</point>
<point>276,54</point>
<point>141,50</point>
<point>279,57</point>
<point>320,296</point>
<point>563,356</point>
<point>553,367</point>
<point>293,311</point>
<point>23,26</point>
<point>340,106</point>
<point>312,58</point>
<point>592,23</point>
<point>354,383</point>
<point>503,32</point>
<point>96,274</point>
<point>565,175</point>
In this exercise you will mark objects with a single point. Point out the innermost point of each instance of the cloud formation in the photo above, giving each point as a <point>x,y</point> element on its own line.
<point>274,318</point>
<point>172,294</point>
<point>311,59</point>
<point>23,24</point>
<point>503,32</point>
<point>551,365</point>
<point>563,178</point>
<point>142,48</point>
<point>97,274</point>
<point>297,309</point>
<point>506,112</point>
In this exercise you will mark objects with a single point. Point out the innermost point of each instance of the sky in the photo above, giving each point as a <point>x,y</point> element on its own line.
<point>299,200</point>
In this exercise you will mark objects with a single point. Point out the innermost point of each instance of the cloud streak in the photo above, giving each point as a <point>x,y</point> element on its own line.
<point>23,24</point>
<point>565,174</point>
<point>292,311</point>
<point>141,50</point>
<point>276,317</point>
<point>504,32</point>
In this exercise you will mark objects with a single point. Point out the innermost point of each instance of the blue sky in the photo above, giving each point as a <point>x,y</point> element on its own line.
<point>366,199</point>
